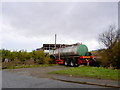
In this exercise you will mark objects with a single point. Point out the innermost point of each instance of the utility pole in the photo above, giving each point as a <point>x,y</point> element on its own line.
<point>55,41</point>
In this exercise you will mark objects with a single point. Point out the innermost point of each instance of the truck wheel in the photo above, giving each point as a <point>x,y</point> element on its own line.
<point>66,63</point>
<point>76,65</point>
<point>71,63</point>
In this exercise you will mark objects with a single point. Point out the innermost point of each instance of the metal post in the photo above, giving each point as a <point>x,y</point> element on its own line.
<point>55,41</point>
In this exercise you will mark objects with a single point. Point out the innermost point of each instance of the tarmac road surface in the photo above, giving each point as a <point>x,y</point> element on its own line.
<point>19,80</point>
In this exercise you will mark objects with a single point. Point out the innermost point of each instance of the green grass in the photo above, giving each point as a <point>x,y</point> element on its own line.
<point>28,66</point>
<point>92,72</point>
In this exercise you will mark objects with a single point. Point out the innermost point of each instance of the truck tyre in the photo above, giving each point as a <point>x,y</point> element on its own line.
<point>76,64</point>
<point>72,64</point>
<point>66,63</point>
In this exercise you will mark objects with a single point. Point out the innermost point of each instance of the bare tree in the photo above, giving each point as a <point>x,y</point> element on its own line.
<point>110,37</point>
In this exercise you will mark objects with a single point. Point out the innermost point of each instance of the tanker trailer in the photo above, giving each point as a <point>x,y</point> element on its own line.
<point>72,55</point>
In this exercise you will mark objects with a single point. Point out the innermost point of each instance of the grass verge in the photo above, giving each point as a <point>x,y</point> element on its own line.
<point>92,72</point>
<point>27,66</point>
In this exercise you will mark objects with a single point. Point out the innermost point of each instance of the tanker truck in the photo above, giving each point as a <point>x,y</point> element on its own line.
<point>73,56</point>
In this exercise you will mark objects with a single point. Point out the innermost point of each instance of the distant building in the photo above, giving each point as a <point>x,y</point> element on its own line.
<point>52,46</point>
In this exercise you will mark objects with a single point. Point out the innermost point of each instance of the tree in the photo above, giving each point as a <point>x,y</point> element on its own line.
<point>111,39</point>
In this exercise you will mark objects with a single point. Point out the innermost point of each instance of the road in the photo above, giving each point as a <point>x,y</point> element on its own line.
<point>18,80</point>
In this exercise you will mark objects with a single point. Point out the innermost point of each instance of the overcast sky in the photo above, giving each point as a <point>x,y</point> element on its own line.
<point>28,25</point>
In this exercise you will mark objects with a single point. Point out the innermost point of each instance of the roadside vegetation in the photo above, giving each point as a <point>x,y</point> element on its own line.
<point>23,59</point>
<point>109,57</point>
<point>90,72</point>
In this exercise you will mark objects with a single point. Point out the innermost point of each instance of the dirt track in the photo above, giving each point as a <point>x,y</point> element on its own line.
<point>40,72</point>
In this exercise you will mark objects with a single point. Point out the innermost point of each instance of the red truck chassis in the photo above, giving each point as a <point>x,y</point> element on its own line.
<point>80,60</point>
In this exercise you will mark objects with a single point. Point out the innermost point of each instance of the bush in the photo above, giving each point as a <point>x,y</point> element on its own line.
<point>22,57</point>
<point>110,57</point>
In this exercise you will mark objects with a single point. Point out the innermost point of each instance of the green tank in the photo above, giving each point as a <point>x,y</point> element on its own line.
<point>82,49</point>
